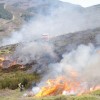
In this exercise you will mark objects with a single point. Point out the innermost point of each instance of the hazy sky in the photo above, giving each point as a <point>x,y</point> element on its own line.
<point>84,3</point>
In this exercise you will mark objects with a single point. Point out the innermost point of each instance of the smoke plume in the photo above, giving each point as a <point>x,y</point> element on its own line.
<point>62,18</point>
<point>82,62</point>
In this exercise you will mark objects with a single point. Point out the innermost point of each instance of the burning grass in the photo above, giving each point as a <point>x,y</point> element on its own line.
<point>95,95</point>
<point>13,73</point>
<point>61,85</point>
<point>58,86</point>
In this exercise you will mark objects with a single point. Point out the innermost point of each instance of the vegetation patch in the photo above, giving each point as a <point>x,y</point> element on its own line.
<point>61,97</point>
<point>4,51</point>
<point>97,93</point>
<point>12,79</point>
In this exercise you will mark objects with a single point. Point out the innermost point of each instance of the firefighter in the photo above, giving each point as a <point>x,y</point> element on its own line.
<point>21,87</point>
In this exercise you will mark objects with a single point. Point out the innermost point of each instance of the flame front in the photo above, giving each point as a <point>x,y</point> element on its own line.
<point>6,61</point>
<point>57,86</point>
<point>61,85</point>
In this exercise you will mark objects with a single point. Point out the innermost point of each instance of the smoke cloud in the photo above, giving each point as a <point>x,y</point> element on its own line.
<point>82,63</point>
<point>62,18</point>
<point>39,54</point>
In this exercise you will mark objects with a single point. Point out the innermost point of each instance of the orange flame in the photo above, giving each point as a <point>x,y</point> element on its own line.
<point>2,58</point>
<point>11,63</point>
<point>61,85</point>
<point>57,86</point>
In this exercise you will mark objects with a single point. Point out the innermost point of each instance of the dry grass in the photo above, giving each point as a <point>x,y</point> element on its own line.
<point>16,95</point>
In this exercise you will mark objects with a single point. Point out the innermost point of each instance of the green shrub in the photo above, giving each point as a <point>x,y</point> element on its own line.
<point>12,79</point>
<point>85,97</point>
<point>97,93</point>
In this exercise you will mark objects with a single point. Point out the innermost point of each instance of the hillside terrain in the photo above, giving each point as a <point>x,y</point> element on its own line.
<point>71,41</point>
<point>62,44</point>
<point>10,20</point>
<point>20,64</point>
<point>16,13</point>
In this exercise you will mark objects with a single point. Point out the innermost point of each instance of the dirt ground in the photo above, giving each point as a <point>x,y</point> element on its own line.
<point>13,95</point>
<point>17,95</point>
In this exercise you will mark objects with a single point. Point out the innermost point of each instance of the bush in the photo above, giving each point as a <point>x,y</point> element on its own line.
<point>11,80</point>
<point>97,93</point>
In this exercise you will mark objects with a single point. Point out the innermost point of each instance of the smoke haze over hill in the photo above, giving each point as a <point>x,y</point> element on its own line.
<point>59,18</point>
<point>54,41</point>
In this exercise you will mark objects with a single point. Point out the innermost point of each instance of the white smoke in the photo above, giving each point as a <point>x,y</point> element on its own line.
<point>85,61</point>
<point>27,52</point>
<point>63,19</point>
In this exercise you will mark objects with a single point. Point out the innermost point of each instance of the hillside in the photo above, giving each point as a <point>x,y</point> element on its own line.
<point>16,13</point>
<point>82,19</point>
<point>10,20</point>
<point>62,44</point>
<point>38,37</point>
<point>70,41</point>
